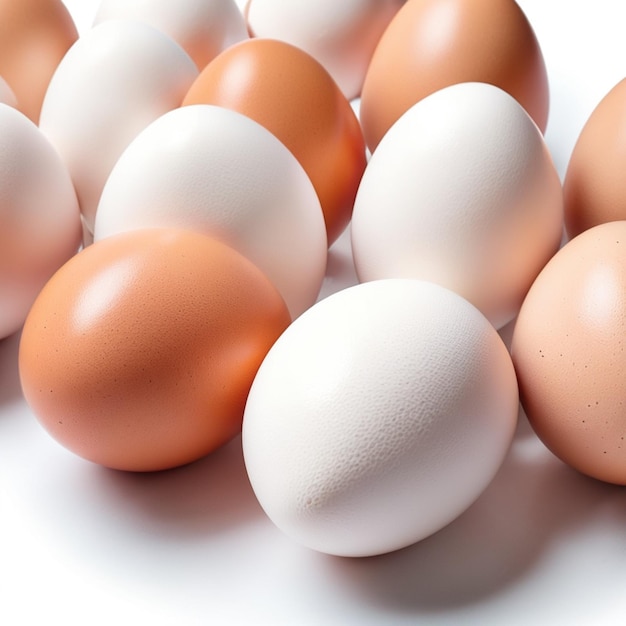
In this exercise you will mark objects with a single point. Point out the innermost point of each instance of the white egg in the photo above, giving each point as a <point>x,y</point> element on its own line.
<point>342,36</point>
<point>461,191</point>
<point>202,27</point>
<point>41,226</point>
<point>217,171</point>
<point>378,417</point>
<point>115,80</point>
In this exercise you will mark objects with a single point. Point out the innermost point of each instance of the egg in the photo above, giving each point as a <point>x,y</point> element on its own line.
<point>210,169</point>
<point>39,215</point>
<point>116,79</point>
<point>202,27</point>
<point>568,347</point>
<point>34,37</point>
<point>431,44</point>
<point>341,36</point>
<point>594,186</point>
<point>378,417</point>
<point>461,191</point>
<point>294,97</point>
<point>139,352</point>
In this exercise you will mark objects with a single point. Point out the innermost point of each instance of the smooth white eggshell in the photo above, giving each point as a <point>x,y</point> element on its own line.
<point>378,417</point>
<point>202,27</point>
<point>342,35</point>
<point>461,191</point>
<point>116,79</point>
<point>41,226</point>
<point>214,170</point>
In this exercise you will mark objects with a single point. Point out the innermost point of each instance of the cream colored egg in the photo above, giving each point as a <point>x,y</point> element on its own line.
<point>378,417</point>
<point>39,215</point>
<point>462,191</point>
<point>214,170</point>
<point>202,27</point>
<point>342,36</point>
<point>115,80</point>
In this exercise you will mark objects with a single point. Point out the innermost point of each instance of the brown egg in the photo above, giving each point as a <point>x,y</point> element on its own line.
<point>595,185</point>
<point>431,44</point>
<point>34,37</point>
<point>139,353</point>
<point>569,351</point>
<point>288,92</point>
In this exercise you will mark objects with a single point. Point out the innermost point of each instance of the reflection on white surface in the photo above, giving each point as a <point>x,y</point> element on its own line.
<point>544,545</point>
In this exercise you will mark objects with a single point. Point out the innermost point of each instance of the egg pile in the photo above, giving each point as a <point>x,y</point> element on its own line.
<point>171,182</point>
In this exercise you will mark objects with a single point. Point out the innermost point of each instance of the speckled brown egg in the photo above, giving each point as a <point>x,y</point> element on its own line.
<point>288,92</point>
<point>569,351</point>
<point>431,44</point>
<point>595,185</point>
<point>139,353</point>
<point>34,37</point>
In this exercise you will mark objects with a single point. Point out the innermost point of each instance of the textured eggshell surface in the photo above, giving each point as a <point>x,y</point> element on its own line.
<point>342,36</point>
<point>462,191</point>
<point>431,44</point>
<point>293,96</point>
<point>118,77</point>
<point>213,170</point>
<point>34,37</point>
<point>139,353</point>
<point>595,185</point>
<point>568,348</point>
<point>378,417</point>
<point>202,27</point>
<point>39,215</point>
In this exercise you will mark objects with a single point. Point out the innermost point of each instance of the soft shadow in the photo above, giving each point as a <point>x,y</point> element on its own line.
<point>534,500</point>
<point>10,389</point>
<point>340,272</point>
<point>209,496</point>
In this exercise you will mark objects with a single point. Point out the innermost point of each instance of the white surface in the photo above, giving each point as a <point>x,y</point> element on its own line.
<point>543,545</point>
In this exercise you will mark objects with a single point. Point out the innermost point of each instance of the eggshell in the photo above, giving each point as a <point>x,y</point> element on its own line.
<point>340,35</point>
<point>568,350</point>
<point>202,27</point>
<point>595,186</point>
<point>214,170</point>
<point>116,79</point>
<point>293,96</point>
<point>34,37</point>
<point>431,44</point>
<point>461,191</point>
<point>378,417</point>
<point>38,212</point>
<point>139,352</point>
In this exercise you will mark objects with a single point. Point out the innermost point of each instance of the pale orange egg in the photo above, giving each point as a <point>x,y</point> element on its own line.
<point>34,37</point>
<point>431,44</point>
<point>595,187</point>
<point>139,353</point>
<point>569,356</point>
<point>288,92</point>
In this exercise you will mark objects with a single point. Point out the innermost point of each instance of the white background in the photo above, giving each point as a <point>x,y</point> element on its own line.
<point>83,545</point>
